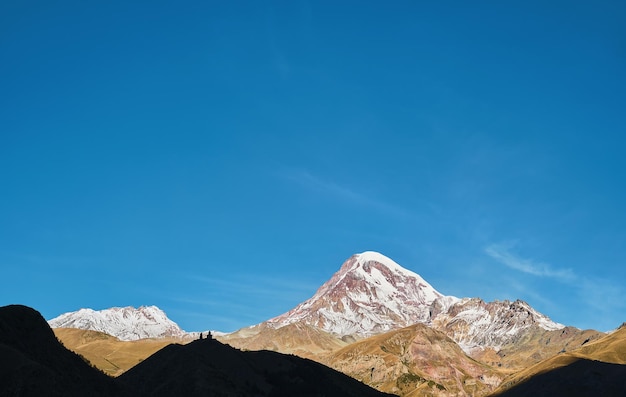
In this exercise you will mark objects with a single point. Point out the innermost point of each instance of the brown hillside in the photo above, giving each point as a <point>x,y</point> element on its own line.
<point>415,361</point>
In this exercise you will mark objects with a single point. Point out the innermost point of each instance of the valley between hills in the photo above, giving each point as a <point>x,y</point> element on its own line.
<point>374,328</point>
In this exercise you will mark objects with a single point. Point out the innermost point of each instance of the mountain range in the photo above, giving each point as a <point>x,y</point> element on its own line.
<point>381,324</point>
<point>371,294</point>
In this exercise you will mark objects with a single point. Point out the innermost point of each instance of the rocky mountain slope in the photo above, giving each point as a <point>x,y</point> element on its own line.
<point>534,346</point>
<point>415,361</point>
<point>125,323</point>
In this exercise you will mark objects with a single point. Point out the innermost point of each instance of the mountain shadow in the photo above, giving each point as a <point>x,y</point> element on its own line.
<point>34,363</point>
<point>581,378</point>
<point>210,368</point>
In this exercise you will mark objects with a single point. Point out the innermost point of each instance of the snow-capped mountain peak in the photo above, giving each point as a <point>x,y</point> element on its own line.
<point>125,323</point>
<point>369,294</point>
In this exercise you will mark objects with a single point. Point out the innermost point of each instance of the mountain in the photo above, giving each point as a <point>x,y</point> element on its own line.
<point>125,323</point>
<point>370,294</point>
<point>210,368</point>
<point>34,363</point>
<point>415,361</point>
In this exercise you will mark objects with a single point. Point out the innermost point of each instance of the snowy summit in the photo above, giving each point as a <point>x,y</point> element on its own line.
<point>370,294</point>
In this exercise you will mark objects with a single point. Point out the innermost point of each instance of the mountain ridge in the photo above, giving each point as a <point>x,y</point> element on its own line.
<point>372,294</point>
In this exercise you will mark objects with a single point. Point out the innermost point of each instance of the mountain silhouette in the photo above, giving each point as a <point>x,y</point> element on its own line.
<point>210,368</point>
<point>34,363</point>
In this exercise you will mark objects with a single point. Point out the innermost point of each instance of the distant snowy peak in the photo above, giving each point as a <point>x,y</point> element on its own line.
<point>370,294</point>
<point>125,323</point>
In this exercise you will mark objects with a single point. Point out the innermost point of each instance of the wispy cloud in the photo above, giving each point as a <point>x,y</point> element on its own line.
<point>344,193</point>
<point>502,254</point>
<point>601,297</point>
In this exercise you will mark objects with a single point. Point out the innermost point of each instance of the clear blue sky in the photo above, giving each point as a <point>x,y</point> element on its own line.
<point>221,161</point>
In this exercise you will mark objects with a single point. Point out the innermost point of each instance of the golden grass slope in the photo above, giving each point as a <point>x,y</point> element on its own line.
<point>609,349</point>
<point>108,353</point>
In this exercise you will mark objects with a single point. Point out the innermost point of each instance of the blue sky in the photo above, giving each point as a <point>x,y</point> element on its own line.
<point>221,161</point>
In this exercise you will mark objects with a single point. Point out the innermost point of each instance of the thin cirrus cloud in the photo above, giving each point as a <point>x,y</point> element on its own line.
<point>502,254</point>
<point>602,296</point>
<point>343,193</point>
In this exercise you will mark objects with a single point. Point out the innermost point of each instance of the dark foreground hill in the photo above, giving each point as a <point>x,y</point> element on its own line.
<point>34,363</point>
<point>581,378</point>
<point>210,368</point>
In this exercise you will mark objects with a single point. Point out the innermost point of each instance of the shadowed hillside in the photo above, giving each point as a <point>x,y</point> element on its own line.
<point>34,363</point>
<point>580,378</point>
<point>210,368</point>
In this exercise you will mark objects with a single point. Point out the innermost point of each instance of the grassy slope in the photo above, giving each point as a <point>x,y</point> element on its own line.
<point>108,353</point>
<point>609,349</point>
